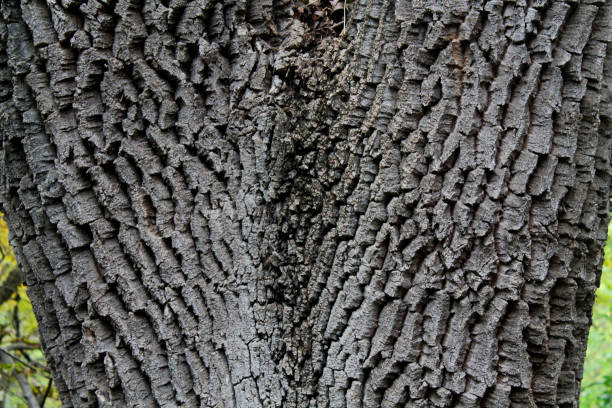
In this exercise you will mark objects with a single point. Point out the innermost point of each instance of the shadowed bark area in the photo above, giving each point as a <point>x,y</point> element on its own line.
<point>216,206</point>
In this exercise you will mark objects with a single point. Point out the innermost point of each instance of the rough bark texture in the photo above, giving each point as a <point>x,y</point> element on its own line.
<point>215,206</point>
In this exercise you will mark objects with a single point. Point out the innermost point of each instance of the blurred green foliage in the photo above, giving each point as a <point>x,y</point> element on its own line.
<point>21,356</point>
<point>596,389</point>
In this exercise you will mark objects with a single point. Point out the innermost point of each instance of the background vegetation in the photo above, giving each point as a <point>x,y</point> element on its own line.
<point>597,380</point>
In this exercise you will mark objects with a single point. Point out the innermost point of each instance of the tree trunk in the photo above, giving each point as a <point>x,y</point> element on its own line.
<point>234,204</point>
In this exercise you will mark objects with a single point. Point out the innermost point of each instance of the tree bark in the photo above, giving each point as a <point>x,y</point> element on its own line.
<point>229,204</point>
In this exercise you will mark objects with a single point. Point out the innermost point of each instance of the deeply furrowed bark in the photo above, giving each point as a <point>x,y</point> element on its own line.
<point>216,206</point>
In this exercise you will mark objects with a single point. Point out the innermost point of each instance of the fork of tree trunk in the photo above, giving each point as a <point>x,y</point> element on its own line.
<point>219,204</point>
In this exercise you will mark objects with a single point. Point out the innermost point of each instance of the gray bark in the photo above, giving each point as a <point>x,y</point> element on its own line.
<point>220,204</point>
